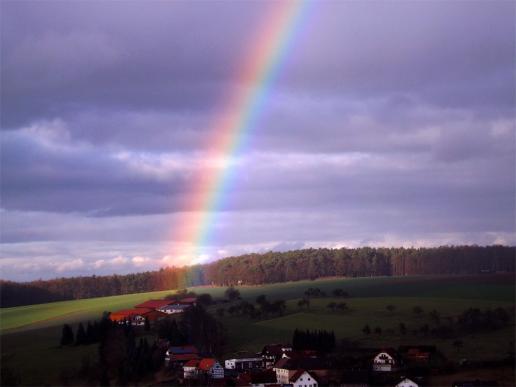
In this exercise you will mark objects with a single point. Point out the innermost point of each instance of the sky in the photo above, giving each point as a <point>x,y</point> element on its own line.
<point>388,124</point>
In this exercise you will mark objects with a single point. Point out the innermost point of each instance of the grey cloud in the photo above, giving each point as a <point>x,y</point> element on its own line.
<point>389,125</point>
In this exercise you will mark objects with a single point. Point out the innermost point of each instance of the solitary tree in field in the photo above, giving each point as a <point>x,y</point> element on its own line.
<point>232,294</point>
<point>366,329</point>
<point>332,306</point>
<point>342,306</point>
<point>390,308</point>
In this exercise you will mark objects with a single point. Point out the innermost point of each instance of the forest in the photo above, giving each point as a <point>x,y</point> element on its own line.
<point>270,267</point>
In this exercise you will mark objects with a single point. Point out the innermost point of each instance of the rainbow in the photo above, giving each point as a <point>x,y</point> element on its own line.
<point>231,128</point>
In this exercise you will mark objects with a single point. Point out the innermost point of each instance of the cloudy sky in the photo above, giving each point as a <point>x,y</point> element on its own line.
<point>389,124</point>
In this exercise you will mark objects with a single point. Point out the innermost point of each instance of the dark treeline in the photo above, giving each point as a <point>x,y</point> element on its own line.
<point>272,267</point>
<point>321,341</point>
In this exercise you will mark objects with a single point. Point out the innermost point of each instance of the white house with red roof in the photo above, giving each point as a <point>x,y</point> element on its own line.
<point>302,378</point>
<point>211,368</point>
<point>191,369</point>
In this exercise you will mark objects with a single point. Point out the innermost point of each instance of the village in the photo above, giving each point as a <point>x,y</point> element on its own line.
<point>281,364</point>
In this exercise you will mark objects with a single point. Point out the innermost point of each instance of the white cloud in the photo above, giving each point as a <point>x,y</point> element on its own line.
<point>140,261</point>
<point>68,266</point>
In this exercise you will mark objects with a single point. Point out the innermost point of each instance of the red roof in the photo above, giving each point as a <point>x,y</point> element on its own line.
<point>185,357</point>
<point>206,364</point>
<point>128,313</point>
<point>153,304</point>
<point>154,315</point>
<point>192,363</point>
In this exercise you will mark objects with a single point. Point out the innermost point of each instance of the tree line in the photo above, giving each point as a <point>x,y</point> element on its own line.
<point>320,340</point>
<point>254,269</point>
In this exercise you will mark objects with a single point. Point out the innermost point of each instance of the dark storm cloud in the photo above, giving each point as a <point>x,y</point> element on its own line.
<point>387,125</point>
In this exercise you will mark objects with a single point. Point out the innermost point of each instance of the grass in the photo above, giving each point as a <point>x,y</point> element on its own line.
<point>30,334</point>
<point>252,335</point>
<point>494,288</point>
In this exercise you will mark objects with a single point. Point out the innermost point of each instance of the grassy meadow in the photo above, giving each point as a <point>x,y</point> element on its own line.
<point>30,334</point>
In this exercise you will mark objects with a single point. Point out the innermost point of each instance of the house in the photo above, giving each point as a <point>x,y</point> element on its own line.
<point>386,361</point>
<point>302,378</point>
<point>272,353</point>
<point>133,316</point>
<point>285,368</point>
<point>243,363</point>
<point>190,369</point>
<point>179,355</point>
<point>173,308</point>
<point>211,368</point>
<point>406,382</point>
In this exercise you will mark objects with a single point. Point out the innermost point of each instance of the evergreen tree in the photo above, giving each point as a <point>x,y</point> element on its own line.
<point>90,334</point>
<point>80,338</point>
<point>67,335</point>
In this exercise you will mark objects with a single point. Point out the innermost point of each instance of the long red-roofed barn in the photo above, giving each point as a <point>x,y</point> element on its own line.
<point>136,316</point>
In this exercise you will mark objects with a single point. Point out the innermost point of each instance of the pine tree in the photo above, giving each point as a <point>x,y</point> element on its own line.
<point>67,335</point>
<point>90,334</point>
<point>80,339</point>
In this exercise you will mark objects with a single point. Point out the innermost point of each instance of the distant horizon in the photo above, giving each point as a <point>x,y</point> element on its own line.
<point>245,254</point>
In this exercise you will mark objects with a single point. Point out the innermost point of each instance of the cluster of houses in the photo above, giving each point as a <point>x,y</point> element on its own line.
<point>280,365</point>
<point>151,310</point>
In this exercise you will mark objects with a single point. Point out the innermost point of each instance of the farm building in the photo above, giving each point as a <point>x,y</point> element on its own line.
<point>243,363</point>
<point>179,355</point>
<point>285,368</point>
<point>302,378</point>
<point>386,361</point>
<point>190,369</point>
<point>273,352</point>
<point>136,316</point>
<point>173,308</point>
<point>211,368</point>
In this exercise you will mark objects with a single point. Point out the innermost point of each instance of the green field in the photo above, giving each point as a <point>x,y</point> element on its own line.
<point>30,334</point>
